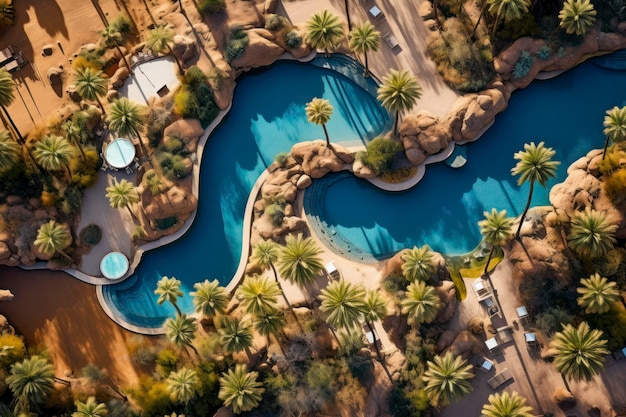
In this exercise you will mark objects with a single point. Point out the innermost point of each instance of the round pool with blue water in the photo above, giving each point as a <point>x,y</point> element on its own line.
<point>443,209</point>
<point>267,117</point>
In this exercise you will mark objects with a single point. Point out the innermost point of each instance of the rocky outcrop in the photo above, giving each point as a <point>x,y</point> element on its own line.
<point>174,202</point>
<point>187,130</point>
<point>262,50</point>
<point>449,302</point>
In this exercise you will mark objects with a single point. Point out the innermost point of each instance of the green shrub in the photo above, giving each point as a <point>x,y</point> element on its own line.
<point>544,53</point>
<point>549,321</point>
<point>523,65</point>
<point>274,22</point>
<point>197,103</point>
<point>293,39</point>
<point>276,213</point>
<point>380,154</point>
<point>615,187</point>
<point>167,361</point>
<point>611,161</point>
<point>194,77</point>
<point>72,198</point>
<point>166,223</point>
<point>173,145</point>
<point>237,44</point>
<point>13,349</point>
<point>211,6</point>
<point>122,24</point>
<point>91,234</point>
<point>174,167</point>
<point>152,397</point>
<point>518,28</point>
<point>281,159</point>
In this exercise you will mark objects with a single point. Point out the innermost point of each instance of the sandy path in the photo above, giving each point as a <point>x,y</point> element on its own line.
<point>62,314</point>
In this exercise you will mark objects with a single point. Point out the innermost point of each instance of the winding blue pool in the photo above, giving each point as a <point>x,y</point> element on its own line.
<point>267,117</point>
<point>443,209</point>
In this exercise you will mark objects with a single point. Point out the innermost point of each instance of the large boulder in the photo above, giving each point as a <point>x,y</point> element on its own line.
<point>184,48</point>
<point>317,159</point>
<point>187,130</point>
<point>261,51</point>
<point>449,302</point>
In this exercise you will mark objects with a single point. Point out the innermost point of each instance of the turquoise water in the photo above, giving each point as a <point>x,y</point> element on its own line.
<point>267,117</point>
<point>443,209</point>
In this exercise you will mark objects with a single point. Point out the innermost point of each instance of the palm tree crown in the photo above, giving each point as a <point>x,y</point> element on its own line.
<point>318,111</point>
<point>122,194</point>
<point>343,303</point>
<point>614,126</point>
<point>577,16</point>
<point>126,117</point>
<point>592,235</point>
<point>597,294</point>
<point>324,31</point>
<point>495,228</point>
<point>235,335</point>
<point>240,390</point>
<point>90,408</point>
<point>448,378</point>
<point>9,151</point>
<point>506,405</point>
<point>419,263</point>
<point>54,153</point>
<point>265,254</point>
<point>7,88</point>
<point>168,289</point>
<point>299,261</point>
<point>53,237</point>
<point>183,384</point>
<point>210,298</point>
<point>534,164</point>
<point>91,84</point>
<point>579,351</point>
<point>507,10</point>
<point>181,331</point>
<point>363,39</point>
<point>399,92</point>
<point>258,294</point>
<point>31,382</point>
<point>421,303</point>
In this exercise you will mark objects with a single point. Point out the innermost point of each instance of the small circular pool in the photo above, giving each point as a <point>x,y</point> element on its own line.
<point>114,265</point>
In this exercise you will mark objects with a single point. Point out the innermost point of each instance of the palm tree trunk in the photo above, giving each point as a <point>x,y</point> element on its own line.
<point>68,257</point>
<point>482,9</point>
<point>521,220</point>
<point>395,124</point>
<point>326,133</point>
<point>21,140</point>
<point>69,172</point>
<point>366,73</point>
<point>180,67</point>
<point>371,329</point>
<point>101,106</point>
<point>567,387</point>
<point>280,287</point>
<point>135,219</point>
<point>495,24</point>
<point>606,145</point>
<point>348,15</point>
<point>489,259</point>
<point>178,312</point>
<point>119,50</point>
<point>150,13</point>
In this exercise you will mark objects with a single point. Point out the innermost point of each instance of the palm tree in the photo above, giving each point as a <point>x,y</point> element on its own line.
<point>507,10</point>
<point>183,385</point>
<point>363,39</point>
<point>399,92</point>
<point>9,151</point>
<point>122,194</point>
<point>448,378</point>
<point>92,84</point>
<point>90,408</point>
<point>168,289</point>
<point>270,322</point>
<point>240,390</point>
<point>343,303</point>
<point>318,111</point>
<point>210,298</point>
<point>495,228</point>
<point>534,164</point>
<point>113,38</point>
<point>577,16</point>
<point>54,153</point>
<point>31,382</point>
<point>159,40</point>
<point>591,235</point>
<point>506,405</point>
<point>257,294</point>
<point>299,261</point>
<point>421,303</point>
<point>181,331</point>
<point>614,126</point>
<point>236,335</point>
<point>7,95</point>
<point>53,237</point>
<point>579,351</point>
<point>324,31</point>
<point>418,263</point>
<point>597,294</point>
<point>126,118</point>
<point>265,254</point>
<point>375,309</point>
<point>73,131</point>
